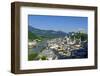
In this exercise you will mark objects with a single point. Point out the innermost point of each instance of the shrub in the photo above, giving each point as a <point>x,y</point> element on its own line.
<point>32,56</point>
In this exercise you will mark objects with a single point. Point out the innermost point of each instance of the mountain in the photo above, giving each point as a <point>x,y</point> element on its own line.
<point>46,33</point>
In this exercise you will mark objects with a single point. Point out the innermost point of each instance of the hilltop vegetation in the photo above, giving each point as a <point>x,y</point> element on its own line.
<point>78,35</point>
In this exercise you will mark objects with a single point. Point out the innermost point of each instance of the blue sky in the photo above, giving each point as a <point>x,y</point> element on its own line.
<point>58,23</point>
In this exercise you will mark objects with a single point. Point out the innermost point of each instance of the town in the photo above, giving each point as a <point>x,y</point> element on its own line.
<point>67,47</point>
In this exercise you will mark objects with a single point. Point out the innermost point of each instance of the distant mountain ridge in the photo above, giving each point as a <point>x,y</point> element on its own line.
<point>46,33</point>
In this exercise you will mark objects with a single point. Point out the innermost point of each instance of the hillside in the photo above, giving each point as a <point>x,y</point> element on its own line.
<point>32,36</point>
<point>44,33</point>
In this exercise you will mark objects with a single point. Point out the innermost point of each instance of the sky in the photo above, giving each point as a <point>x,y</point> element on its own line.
<point>58,23</point>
